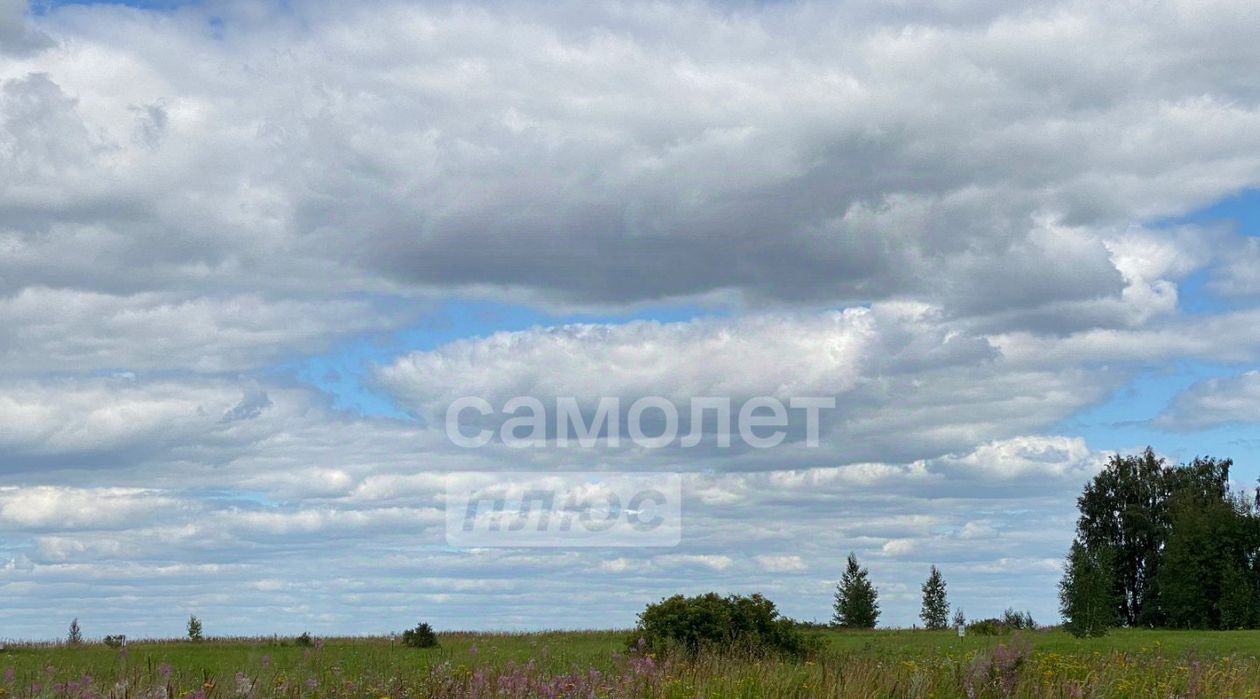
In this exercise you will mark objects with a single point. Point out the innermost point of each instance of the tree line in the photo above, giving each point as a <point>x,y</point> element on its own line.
<point>1163,545</point>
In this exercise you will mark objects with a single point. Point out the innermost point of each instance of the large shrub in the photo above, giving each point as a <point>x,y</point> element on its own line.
<point>711,622</point>
<point>987,627</point>
<point>1018,621</point>
<point>420,637</point>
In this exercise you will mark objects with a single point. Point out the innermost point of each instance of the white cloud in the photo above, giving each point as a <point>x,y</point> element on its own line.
<point>899,547</point>
<point>891,156</point>
<point>908,382</point>
<point>17,37</point>
<point>66,508</point>
<point>1214,402</point>
<point>711,561</point>
<point>44,329</point>
<point>782,564</point>
<point>188,207</point>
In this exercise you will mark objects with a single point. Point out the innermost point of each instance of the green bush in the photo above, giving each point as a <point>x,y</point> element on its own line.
<point>420,637</point>
<point>987,627</point>
<point>711,622</point>
<point>1018,621</point>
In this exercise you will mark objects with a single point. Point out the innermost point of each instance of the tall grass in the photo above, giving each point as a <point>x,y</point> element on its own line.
<point>593,664</point>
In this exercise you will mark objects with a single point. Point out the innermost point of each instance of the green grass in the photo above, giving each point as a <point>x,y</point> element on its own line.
<point>911,644</point>
<point>853,663</point>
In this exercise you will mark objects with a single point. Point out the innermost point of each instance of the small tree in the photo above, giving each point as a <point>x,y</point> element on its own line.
<point>75,636</point>
<point>857,602</point>
<point>1087,595</point>
<point>935,610</point>
<point>1018,621</point>
<point>420,637</point>
<point>960,618</point>
<point>194,629</point>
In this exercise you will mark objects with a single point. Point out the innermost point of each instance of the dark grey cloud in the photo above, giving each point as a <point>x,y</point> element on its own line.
<point>604,155</point>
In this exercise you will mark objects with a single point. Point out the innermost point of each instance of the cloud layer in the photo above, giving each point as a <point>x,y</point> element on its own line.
<point>965,222</point>
<point>803,154</point>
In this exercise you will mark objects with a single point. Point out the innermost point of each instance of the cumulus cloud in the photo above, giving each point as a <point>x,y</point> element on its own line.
<point>950,219</point>
<point>17,37</point>
<point>73,508</point>
<point>782,564</point>
<point>810,154</point>
<point>269,551</point>
<point>1239,272</point>
<point>1215,402</point>
<point>908,382</point>
<point>44,329</point>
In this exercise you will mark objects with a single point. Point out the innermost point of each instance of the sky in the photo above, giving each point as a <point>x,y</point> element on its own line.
<point>250,252</point>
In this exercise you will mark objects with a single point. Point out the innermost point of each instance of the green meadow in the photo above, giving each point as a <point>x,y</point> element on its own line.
<point>881,663</point>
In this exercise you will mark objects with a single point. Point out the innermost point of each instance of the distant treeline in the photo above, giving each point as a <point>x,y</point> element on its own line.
<point>1165,546</point>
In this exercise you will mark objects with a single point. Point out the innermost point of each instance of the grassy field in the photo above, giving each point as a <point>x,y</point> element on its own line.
<point>596,664</point>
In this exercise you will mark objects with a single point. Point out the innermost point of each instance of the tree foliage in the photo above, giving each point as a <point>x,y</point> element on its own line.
<point>857,602</point>
<point>1204,582</point>
<point>1124,509</point>
<point>194,629</point>
<point>935,609</point>
<point>420,637</point>
<point>1183,551</point>
<point>708,622</point>
<point>1087,593</point>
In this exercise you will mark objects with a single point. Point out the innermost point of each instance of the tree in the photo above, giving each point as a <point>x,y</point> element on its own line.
<point>857,602</point>
<point>935,609</point>
<point>194,628</point>
<point>1129,508</point>
<point>1124,508</point>
<point>420,637</point>
<point>960,618</point>
<point>710,622</point>
<point>1087,595</point>
<point>1237,604</point>
<point>75,636</point>
<point>1204,579</point>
